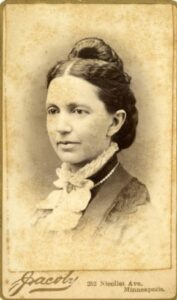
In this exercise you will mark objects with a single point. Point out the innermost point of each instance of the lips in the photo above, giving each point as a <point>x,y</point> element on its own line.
<point>67,145</point>
<point>67,142</point>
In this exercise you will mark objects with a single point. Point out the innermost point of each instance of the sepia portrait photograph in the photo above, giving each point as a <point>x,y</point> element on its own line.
<point>89,133</point>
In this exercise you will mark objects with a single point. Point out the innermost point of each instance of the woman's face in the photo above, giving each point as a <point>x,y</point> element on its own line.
<point>77,121</point>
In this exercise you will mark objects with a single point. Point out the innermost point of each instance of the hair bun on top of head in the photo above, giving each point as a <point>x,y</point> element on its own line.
<point>94,48</point>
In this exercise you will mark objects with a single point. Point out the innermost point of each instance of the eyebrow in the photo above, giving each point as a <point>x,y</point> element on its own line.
<point>74,105</point>
<point>51,104</point>
<point>70,105</point>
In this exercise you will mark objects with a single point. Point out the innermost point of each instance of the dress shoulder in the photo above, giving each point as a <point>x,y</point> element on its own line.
<point>128,200</point>
<point>128,214</point>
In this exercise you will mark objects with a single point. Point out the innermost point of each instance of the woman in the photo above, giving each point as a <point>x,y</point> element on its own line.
<point>91,116</point>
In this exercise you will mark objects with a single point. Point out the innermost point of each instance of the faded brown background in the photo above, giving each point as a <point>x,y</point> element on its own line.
<point>35,38</point>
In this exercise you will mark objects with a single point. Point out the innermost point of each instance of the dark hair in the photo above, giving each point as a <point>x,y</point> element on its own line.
<point>95,61</point>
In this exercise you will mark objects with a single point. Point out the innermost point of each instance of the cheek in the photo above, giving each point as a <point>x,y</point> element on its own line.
<point>95,132</point>
<point>50,126</point>
<point>51,132</point>
<point>100,126</point>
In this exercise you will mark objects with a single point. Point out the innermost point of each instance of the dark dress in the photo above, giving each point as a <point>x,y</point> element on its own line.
<point>112,203</point>
<point>119,230</point>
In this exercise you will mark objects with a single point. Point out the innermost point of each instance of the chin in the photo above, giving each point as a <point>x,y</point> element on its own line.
<point>72,159</point>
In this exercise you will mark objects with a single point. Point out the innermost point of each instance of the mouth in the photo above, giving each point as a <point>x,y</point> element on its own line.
<point>67,143</point>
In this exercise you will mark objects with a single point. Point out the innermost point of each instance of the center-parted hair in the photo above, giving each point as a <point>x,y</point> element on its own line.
<point>93,60</point>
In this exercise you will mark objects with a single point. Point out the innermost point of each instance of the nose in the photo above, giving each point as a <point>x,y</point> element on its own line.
<point>63,124</point>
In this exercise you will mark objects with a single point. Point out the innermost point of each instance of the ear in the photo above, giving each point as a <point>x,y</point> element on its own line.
<point>118,120</point>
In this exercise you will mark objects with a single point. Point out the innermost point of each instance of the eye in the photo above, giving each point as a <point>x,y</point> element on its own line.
<point>79,111</point>
<point>52,110</point>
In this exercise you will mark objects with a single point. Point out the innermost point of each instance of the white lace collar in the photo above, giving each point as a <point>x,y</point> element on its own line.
<point>73,193</point>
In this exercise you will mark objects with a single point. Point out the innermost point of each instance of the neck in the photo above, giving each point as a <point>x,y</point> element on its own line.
<point>75,167</point>
<point>88,169</point>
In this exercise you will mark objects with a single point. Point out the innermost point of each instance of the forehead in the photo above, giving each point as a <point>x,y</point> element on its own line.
<point>71,88</point>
